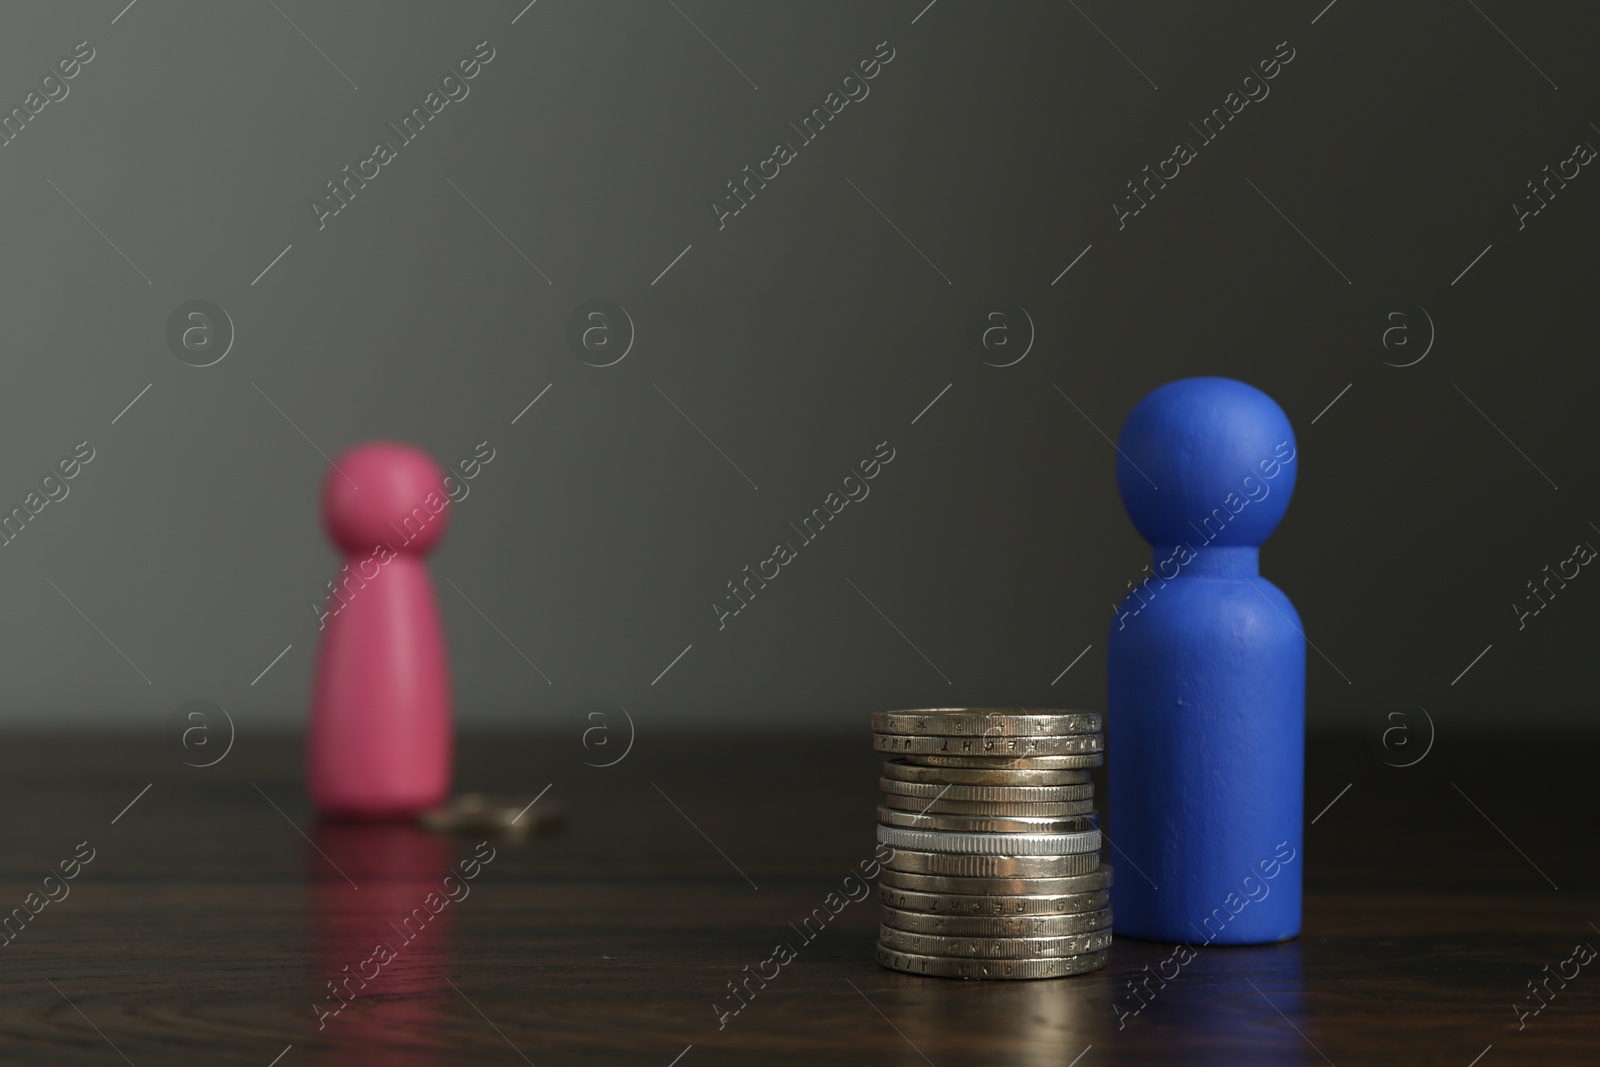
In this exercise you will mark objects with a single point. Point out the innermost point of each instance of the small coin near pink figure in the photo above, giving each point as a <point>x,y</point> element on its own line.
<point>380,741</point>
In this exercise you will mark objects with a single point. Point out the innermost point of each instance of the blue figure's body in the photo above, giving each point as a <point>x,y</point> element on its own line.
<point>1205,716</point>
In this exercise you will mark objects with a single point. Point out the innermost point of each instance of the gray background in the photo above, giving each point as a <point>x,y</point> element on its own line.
<point>797,338</point>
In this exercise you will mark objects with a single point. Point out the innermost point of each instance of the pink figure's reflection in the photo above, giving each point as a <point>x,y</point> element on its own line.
<point>383,949</point>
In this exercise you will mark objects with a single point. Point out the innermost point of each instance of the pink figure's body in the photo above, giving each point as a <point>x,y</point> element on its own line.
<point>380,741</point>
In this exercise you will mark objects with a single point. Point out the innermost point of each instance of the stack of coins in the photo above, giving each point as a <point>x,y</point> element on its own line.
<point>996,870</point>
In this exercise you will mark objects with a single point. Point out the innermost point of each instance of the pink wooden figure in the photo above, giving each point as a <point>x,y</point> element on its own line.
<point>380,742</point>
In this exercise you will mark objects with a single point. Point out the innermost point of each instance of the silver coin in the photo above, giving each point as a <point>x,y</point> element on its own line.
<point>1006,747</point>
<point>897,837</point>
<point>1032,794</point>
<point>993,948</point>
<point>1007,926</point>
<point>905,771</point>
<point>919,862</point>
<point>999,885</point>
<point>987,807</point>
<point>979,824</point>
<point>984,904</point>
<point>937,967</point>
<point>984,722</point>
<point>1001,763</point>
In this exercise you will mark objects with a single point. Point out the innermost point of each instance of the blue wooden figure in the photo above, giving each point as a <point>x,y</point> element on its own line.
<point>1205,724</point>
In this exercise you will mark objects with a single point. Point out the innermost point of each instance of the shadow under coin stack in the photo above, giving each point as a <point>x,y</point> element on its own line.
<point>996,870</point>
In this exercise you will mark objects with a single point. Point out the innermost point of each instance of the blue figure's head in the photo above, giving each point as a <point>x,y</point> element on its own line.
<point>1207,457</point>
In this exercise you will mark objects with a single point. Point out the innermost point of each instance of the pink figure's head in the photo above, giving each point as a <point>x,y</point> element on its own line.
<point>385,492</point>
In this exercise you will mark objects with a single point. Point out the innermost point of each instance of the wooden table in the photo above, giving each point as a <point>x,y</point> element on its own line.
<point>215,911</point>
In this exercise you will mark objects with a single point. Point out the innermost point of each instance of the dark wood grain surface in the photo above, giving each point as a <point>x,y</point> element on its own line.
<point>208,924</point>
